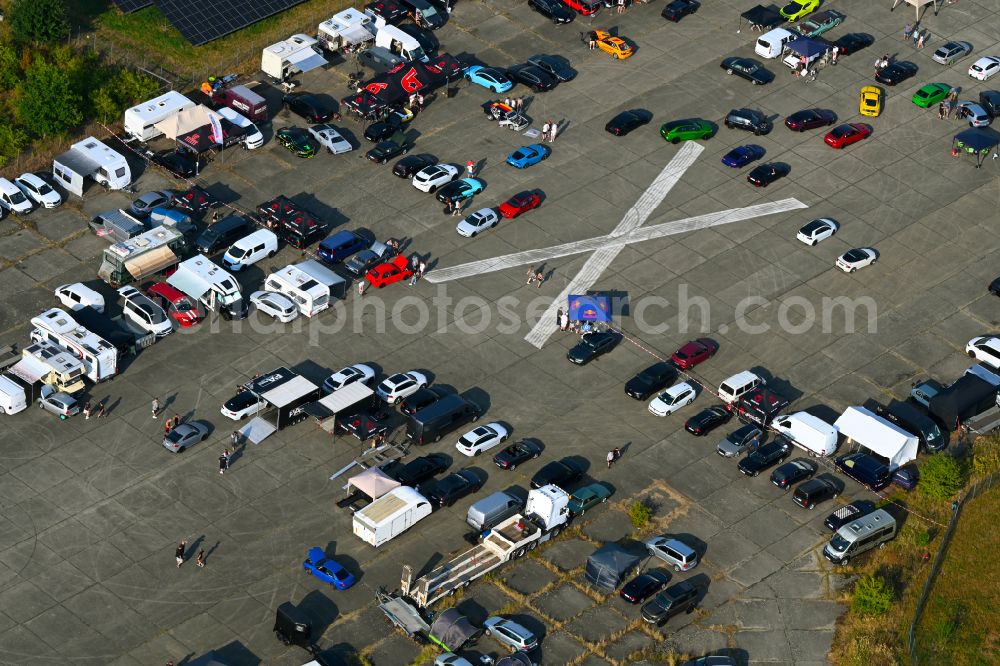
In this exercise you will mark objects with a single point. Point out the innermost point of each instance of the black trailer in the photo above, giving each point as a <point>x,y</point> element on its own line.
<point>286,395</point>
<point>968,396</point>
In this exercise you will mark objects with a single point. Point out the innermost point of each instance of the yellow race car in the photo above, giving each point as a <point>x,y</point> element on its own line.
<point>871,101</point>
<point>614,46</point>
<point>796,9</point>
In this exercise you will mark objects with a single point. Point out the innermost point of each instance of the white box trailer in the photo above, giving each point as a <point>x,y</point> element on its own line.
<point>295,55</point>
<point>390,515</point>
<point>141,119</point>
<point>878,435</point>
<point>349,29</point>
<point>91,159</point>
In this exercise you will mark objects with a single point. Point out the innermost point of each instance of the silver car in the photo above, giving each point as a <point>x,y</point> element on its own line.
<point>484,218</point>
<point>277,305</point>
<point>331,139</point>
<point>145,204</point>
<point>737,442</point>
<point>378,253</point>
<point>62,405</point>
<point>185,435</point>
<point>510,633</point>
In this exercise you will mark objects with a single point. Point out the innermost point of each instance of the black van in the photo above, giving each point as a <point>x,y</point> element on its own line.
<point>424,13</point>
<point>432,423</point>
<point>222,234</point>
<point>912,419</point>
<point>866,470</point>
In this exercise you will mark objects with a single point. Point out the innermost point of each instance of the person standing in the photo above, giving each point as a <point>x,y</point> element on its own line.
<point>470,168</point>
<point>531,277</point>
<point>100,410</point>
<point>456,209</point>
<point>179,553</point>
<point>422,269</point>
<point>907,31</point>
<point>611,459</point>
<point>235,437</point>
<point>621,6</point>
<point>86,411</point>
<point>223,462</point>
<point>167,426</point>
<point>156,407</point>
<point>559,316</point>
<point>923,36</point>
<point>201,558</point>
<point>833,55</point>
<point>539,279</point>
<point>553,128</point>
<point>618,453</point>
<point>545,131</point>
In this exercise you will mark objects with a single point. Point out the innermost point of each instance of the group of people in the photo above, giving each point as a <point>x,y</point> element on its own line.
<point>180,554</point>
<point>549,130</point>
<point>913,31</point>
<point>171,423</point>
<point>950,102</point>
<point>515,103</point>
<point>535,278</point>
<point>416,102</point>
<point>576,326</point>
<point>882,62</point>
<point>88,410</point>
<point>419,267</point>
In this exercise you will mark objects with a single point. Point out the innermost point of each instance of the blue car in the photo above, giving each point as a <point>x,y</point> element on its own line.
<point>460,190</point>
<point>741,156</point>
<point>489,78</point>
<point>527,156</point>
<point>327,570</point>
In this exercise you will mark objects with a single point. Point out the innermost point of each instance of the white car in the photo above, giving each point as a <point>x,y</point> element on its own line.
<point>483,438</point>
<point>974,113</point>
<point>817,230</point>
<point>358,372</point>
<point>510,633</point>
<point>856,258</point>
<point>430,178</point>
<point>400,385</point>
<point>13,199</point>
<point>77,296</point>
<point>144,313</point>
<point>331,139</point>
<point>451,659</point>
<point>484,218</point>
<point>985,348</point>
<point>984,68</point>
<point>277,305</point>
<point>38,190</point>
<point>673,399</point>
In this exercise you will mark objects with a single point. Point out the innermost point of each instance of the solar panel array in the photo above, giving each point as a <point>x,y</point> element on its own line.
<point>129,6</point>
<point>201,21</point>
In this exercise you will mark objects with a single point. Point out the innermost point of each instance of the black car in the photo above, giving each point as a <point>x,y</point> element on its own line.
<point>626,121</point>
<point>383,129</point>
<point>417,470</point>
<point>559,472</point>
<point>520,451</point>
<point>299,141</point>
<point>455,191</point>
<point>760,406</point>
<point>847,513</point>
<point>554,65</point>
<point>817,490</point>
<point>805,119</point>
<point>793,471</point>
<point>707,420</point>
<point>454,487</point>
<point>652,379</point>
<point>678,9</point>
<point>386,150</point>
<point>178,162</point>
<point>428,42</point>
<point>423,397</point>
<point>994,287</point>
<point>749,69</point>
<point>592,345</point>
<point>765,174</point>
<point>411,164</point>
<point>678,598</point>
<point>749,120</point>
<point>533,77</point>
<point>553,9</point>
<point>853,42</point>
<point>308,106</point>
<point>640,587</point>
<point>895,73</point>
<point>390,10</point>
<point>765,456</point>
<point>364,426</point>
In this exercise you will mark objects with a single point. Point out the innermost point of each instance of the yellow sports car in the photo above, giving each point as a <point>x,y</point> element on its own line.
<point>871,101</point>
<point>615,46</point>
<point>796,9</point>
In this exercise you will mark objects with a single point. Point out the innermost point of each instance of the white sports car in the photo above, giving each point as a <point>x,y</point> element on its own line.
<point>277,305</point>
<point>329,137</point>
<point>817,230</point>
<point>430,178</point>
<point>857,258</point>
<point>480,439</point>
<point>673,399</point>
<point>401,385</point>
<point>484,218</point>
<point>352,373</point>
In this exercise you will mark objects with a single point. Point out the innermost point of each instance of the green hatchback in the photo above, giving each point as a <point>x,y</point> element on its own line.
<point>931,94</point>
<point>588,497</point>
<point>684,130</point>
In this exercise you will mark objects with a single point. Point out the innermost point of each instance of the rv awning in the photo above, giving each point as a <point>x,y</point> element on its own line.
<point>30,369</point>
<point>293,389</point>
<point>151,262</point>
<point>356,35</point>
<point>78,162</point>
<point>373,482</point>
<point>306,60</point>
<point>184,121</point>
<point>189,283</point>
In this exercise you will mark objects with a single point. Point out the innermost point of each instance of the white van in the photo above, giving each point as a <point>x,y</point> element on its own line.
<point>859,536</point>
<point>251,249</point>
<point>77,296</point>
<point>13,199</point>
<point>771,43</point>
<point>812,434</point>
<point>733,388</point>
<point>12,396</point>
<point>253,138</point>
<point>390,515</point>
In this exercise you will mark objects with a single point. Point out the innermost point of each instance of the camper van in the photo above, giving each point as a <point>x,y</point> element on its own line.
<point>390,515</point>
<point>772,43</point>
<point>140,120</point>
<point>309,294</point>
<point>860,536</point>
<point>295,55</point>
<point>146,254</point>
<point>209,284</point>
<point>810,433</point>
<point>348,29</point>
<point>59,368</point>
<point>733,388</point>
<point>91,159</point>
<point>100,357</point>
<point>252,137</point>
<point>13,398</point>
<point>243,101</point>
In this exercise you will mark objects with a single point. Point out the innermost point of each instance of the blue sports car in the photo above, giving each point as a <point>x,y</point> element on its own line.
<point>527,156</point>
<point>327,570</point>
<point>740,156</point>
<point>489,78</point>
<point>460,190</point>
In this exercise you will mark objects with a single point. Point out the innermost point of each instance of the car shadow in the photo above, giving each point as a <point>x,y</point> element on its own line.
<point>480,398</point>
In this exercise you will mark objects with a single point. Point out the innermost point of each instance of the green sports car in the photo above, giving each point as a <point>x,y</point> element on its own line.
<point>297,140</point>
<point>683,130</point>
<point>930,94</point>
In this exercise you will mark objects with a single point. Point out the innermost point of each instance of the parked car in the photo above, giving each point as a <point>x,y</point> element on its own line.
<point>175,303</point>
<point>554,65</point>
<point>559,472</point>
<point>592,345</point>
<point>817,230</point>
<point>327,569</point>
<point>765,174</point>
<point>672,399</point>
<point>650,380</point>
<point>626,121</point>
<point>39,191</point>
<point>144,313</point>
<point>417,470</point>
<point>949,52</point>
<point>749,69</point>
<point>847,513</point>
<point>276,305</point>
<point>363,261</point>
<point>520,203</point>
<point>510,633</point>
<point>359,372</point>
<point>694,352</point>
<point>554,10</point>
<point>61,404</point>
<point>856,258</point>
<point>817,490</point>
<point>489,78</point>
<point>532,77</point>
<point>514,454</point>
<point>78,295</point>
<point>410,165</point>
<point>181,163</point>
<point>793,471</point>
<point>454,487</point>
<point>308,106</point>
<point>400,385</point>
<point>797,9</point>
<point>586,498</point>
<point>473,224</point>
<point>896,73</point>
<point>740,156</point>
<point>749,120</point>
<point>460,190</point>
<point>800,121</point>
<point>299,141</point>
<point>853,42</point>
<point>674,552</point>
<point>984,68</point>
<point>330,138</point>
<point>184,436</point>
<point>687,129</point>
<point>395,270</point>
<point>985,348</point>
<point>682,597</point>
<point>430,178</point>
<point>242,405</point>
<point>642,586</point>
<point>424,397</point>
<point>529,155</point>
<point>739,440</point>
<point>844,135</point>
<point>482,438</point>
<point>386,150</point>
<point>930,94</point>
<point>765,456</point>
<point>707,420</point>
<point>678,9</point>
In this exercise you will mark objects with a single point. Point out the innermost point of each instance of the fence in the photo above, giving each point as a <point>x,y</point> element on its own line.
<point>976,490</point>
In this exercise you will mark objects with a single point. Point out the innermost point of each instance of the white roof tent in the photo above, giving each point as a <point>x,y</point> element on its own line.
<point>918,5</point>
<point>372,482</point>
<point>294,55</point>
<point>91,158</point>
<point>878,435</point>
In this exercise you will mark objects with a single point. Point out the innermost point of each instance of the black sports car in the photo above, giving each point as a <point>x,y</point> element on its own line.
<point>749,69</point>
<point>297,140</point>
<point>641,587</point>
<point>678,9</point>
<point>651,380</point>
<point>454,487</point>
<point>383,129</point>
<point>592,345</point>
<point>386,150</point>
<point>853,42</point>
<point>554,65</point>
<point>417,470</point>
<point>626,121</point>
<point>520,451</point>
<point>309,106</point>
<point>895,73</point>
<point>707,420</point>
<point>553,9</point>
<point>455,191</point>
<point>533,77</point>
<point>765,456</point>
<point>423,397</point>
<point>805,119</point>
<point>411,164</point>
<point>559,472</point>
<point>766,174</point>
<point>178,162</point>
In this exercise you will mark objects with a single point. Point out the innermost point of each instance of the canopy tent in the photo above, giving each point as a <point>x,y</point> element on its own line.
<point>608,565</point>
<point>806,47</point>
<point>976,141</point>
<point>452,630</point>
<point>395,86</point>
<point>372,482</point>
<point>918,6</point>
<point>185,121</point>
<point>878,435</point>
<point>761,17</point>
<point>589,307</point>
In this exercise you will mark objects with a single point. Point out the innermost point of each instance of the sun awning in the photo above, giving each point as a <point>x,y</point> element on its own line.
<point>306,60</point>
<point>151,262</point>
<point>189,283</point>
<point>184,121</point>
<point>356,35</point>
<point>293,389</point>
<point>78,162</point>
<point>373,482</point>
<point>30,369</point>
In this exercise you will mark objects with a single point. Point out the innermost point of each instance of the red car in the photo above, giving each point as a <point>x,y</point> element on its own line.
<point>389,272</point>
<point>583,6</point>
<point>694,353</point>
<point>846,134</point>
<point>175,304</point>
<point>521,202</point>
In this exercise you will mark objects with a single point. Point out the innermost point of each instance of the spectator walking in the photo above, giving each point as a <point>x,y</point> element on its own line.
<point>559,316</point>
<point>100,410</point>
<point>618,453</point>
<point>156,407</point>
<point>833,55</point>
<point>539,278</point>
<point>545,130</point>
<point>553,129</point>
<point>621,6</point>
<point>907,31</point>
<point>531,277</point>
<point>507,102</point>
<point>422,269</point>
<point>415,260</point>
<point>941,110</point>
<point>591,42</point>
<point>201,558</point>
<point>564,323</point>
<point>470,168</point>
<point>519,104</point>
<point>916,35</point>
<point>179,553</point>
<point>414,276</point>
<point>86,411</point>
<point>456,210</point>
<point>611,459</point>
<point>235,438</point>
<point>223,462</point>
<point>362,285</point>
<point>923,36</point>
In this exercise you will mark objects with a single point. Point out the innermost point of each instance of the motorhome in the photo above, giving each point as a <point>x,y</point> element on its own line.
<point>58,368</point>
<point>208,284</point>
<point>244,101</point>
<point>306,283</point>
<point>100,357</point>
<point>91,159</point>
<point>347,30</point>
<point>137,258</point>
<point>140,120</point>
<point>295,55</point>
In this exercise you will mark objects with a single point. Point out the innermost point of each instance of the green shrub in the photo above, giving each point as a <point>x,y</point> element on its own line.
<point>986,456</point>
<point>872,596</point>
<point>924,538</point>
<point>640,514</point>
<point>12,142</point>
<point>47,104</point>
<point>41,21</point>
<point>941,476</point>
